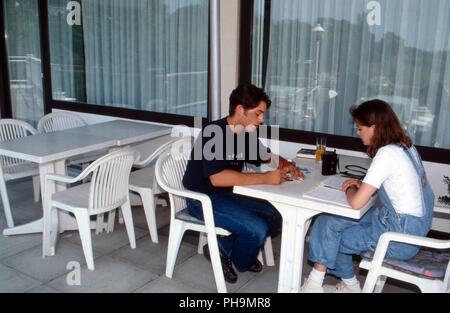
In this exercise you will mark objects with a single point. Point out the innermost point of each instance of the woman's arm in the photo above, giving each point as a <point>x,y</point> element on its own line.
<point>358,193</point>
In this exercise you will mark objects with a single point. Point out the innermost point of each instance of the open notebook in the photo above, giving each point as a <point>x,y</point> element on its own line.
<point>330,191</point>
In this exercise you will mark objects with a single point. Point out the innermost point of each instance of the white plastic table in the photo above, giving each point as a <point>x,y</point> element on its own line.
<point>297,212</point>
<point>50,151</point>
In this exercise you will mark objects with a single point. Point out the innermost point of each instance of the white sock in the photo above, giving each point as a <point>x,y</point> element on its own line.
<point>317,276</point>
<point>350,281</point>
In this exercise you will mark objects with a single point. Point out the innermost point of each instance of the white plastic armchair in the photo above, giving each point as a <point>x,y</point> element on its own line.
<point>107,190</point>
<point>143,182</point>
<point>58,121</point>
<point>378,270</point>
<point>170,168</point>
<point>12,168</point>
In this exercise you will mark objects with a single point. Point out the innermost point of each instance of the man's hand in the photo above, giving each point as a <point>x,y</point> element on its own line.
<point>351,183</point>
<point>290,167</point>
<point>275,177</point>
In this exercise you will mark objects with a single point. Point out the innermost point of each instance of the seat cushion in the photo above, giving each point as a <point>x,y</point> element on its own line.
<point>428,263</point>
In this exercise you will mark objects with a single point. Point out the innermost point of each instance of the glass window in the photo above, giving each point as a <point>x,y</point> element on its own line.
<point>149,55</point>
<point>24,59</point>
<point>325,56</point>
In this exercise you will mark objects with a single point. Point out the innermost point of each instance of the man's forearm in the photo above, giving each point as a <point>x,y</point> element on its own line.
<point>230,178</point>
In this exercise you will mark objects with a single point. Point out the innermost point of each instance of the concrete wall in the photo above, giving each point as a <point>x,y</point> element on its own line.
<point>229,14</point>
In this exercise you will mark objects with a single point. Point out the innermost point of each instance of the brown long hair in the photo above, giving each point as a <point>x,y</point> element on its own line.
<point>388,129</point>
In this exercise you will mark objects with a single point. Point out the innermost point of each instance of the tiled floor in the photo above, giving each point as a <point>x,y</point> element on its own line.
<point>118,267</point>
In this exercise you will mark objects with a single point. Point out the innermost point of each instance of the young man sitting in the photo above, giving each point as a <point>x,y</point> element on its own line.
<point>235,142</point>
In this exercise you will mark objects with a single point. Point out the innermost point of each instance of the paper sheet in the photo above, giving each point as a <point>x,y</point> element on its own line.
<point>328,195</point>
<point>334,182</point>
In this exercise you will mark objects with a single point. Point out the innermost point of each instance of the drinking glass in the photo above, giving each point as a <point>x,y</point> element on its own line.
<point>321,147</point>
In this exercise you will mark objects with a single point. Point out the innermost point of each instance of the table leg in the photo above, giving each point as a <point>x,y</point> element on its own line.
<point>296,222</point>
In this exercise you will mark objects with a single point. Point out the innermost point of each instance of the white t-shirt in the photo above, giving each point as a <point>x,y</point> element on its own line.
<point>393,169</point>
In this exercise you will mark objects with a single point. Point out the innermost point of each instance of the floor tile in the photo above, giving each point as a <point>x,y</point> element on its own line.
<point>110,275</point>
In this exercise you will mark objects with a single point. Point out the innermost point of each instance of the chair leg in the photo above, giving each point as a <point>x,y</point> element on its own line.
<point>84,228</point>
<point>5,200</point>
<point>100,224</point>
<point>202,240</point>
<point>380,284</point>
<point>371,281</point>
<point>148,202</point>
<point>268,250</point>
<point>175,235</point>
<point>36,188</point>
<point>128,218</point>
<point>111,221</point>
<point>216,263</point>
<point>120,217</point>
<point>260,257</point>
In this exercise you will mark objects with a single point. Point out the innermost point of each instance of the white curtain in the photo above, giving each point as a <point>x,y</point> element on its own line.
<point>149,55</point>
<point>66,54</point>
<point>404,61</point>
<point>24,59</point>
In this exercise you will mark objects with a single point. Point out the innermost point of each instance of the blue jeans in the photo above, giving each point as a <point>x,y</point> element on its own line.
<point>334,239</point>
<point>249,220</point>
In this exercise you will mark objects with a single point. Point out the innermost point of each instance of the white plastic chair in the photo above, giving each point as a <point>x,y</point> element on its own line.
<point>169,169</point>
<point>107,190</point>
<point>143,182</point>
<point>12,168</point>
<point>58,121</point>
<point>379,269</point>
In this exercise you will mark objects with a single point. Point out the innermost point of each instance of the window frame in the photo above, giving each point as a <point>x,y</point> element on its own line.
<point>5,91</point>
<point>430,154</point>
<point>81,107</point>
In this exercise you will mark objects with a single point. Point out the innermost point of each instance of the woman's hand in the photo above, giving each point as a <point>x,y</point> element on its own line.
<point>351,183</point>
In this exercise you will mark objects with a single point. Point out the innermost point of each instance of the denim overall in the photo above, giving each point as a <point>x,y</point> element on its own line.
<point>334,239</point>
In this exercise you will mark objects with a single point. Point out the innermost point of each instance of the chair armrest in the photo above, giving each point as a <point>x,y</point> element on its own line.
<point>152,157</point>
<point>416,240</point>
<point>206,205</point>
<point>61,178</point>
<point>387,237</point>
<point>204,199</point>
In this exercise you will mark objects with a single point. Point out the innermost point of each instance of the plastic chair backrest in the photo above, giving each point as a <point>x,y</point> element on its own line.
<point>13,129</point>
<point>110,179</point>
<point>170,169</point>
<point>59,121</point>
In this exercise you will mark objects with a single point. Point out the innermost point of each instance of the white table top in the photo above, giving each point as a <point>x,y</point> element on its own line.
<point>291,193</point>
<point>124,132</point>
<point>44,148</point>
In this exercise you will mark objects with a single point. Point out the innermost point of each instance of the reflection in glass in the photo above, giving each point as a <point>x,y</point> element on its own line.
<point>149,55</point>
<point>24,59</point>
<point>324,57</point>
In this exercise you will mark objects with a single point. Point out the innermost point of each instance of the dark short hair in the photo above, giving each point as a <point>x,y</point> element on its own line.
<point>249,96</point>
<point>388,129</point>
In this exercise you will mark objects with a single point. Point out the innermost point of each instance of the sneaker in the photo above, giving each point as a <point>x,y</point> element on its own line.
<point>256,267</point>
<point>343,288</point>
<point>227,266</point>
<point>311,286</point>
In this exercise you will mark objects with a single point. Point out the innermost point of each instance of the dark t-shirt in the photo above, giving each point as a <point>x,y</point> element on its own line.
<point>212,154</point>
